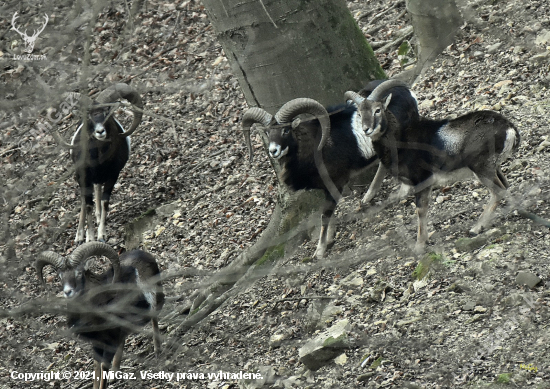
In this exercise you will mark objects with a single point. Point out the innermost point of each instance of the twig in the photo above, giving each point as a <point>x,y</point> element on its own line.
<point>31,202</point>
<point>377,45</point>
<point>147,65</point>
<point>268,15</point>
<point>535,218</point>
<point>378,16</point>
<point>374,30</point>
<point>396,42</point>
<point>213,190</point>
<point>403,13</point>
<point>303,298</point>
<point>175,24</point>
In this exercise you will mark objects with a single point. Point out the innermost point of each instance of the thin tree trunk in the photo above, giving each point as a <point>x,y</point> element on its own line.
<point>435,24</point>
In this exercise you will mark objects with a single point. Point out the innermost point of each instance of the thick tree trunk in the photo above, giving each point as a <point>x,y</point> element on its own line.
<point>280,50</point>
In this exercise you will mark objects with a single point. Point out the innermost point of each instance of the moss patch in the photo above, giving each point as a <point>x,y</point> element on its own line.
<point>272,254</point>
<point>376,363</point>
<point>425,264</point>
<point>504,378</point>
<point>300,207</point>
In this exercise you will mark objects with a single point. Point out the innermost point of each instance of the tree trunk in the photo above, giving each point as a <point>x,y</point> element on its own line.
<point>280,50</point>
<point>435,24</point>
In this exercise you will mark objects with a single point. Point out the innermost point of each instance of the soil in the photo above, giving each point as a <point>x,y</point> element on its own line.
<point>459,316</point>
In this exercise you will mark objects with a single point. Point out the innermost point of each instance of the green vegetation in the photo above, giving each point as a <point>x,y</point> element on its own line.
<point>376,363</point>
<point>272,254</point>
<point>403,52</point>
<point>504,378</point>
<point>423,267</point>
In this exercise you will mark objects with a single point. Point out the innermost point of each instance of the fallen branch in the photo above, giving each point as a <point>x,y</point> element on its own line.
<point>535,218</point>
<point>378,16</point>
<point>407,33</point>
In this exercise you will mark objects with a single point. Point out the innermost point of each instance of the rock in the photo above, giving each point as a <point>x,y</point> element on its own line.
<point>488,287</point>
<point>320,351</point>
<point>365,377</point>
<point>469,244</point>
<point>543,38</point>
<point>543,57</point>
<point>276,340</point>
<point>268,378</point>
<point>378,292</point>
<point>458,288</point>
<point>403,323</point>
<point>354,280</point>
<point>469,306</point>
<point>494,48</point>
<point>426,104</point>
<point>500,84</point>
<point>527,278</point>
<point>341,359</point>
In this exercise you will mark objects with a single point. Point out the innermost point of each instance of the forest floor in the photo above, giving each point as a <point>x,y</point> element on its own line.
<point>458,317</point>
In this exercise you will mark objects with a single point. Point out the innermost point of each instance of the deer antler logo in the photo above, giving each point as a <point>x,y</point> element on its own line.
<point>29,40</point>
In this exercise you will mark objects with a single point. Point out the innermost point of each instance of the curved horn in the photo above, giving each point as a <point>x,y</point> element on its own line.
<point>49,258</point>
<point>295,107</point>
<point>379,91</point>
<point>354,96</point>
<point>254,115</point>
<point>89,249</point>
<point>123,91</point>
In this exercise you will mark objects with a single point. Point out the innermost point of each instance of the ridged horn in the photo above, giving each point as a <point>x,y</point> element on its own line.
<point>354,96</point>
<point>89,249</point>
<point>49,258</point>
<point>295,107</point>
<point>123,91</point>
<point>254,115</point>
<point>379,91</point>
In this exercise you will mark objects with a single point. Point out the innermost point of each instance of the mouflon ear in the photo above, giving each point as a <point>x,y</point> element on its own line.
<point>387,102</point>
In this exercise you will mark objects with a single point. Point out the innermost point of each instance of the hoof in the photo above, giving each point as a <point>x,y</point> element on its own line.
<point>319,254</point>
<point>475,231</point>
<point>367,198</point>
<point>419,248</point>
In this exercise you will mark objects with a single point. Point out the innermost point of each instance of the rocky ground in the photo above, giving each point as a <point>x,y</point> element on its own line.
<point>458,317</point>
